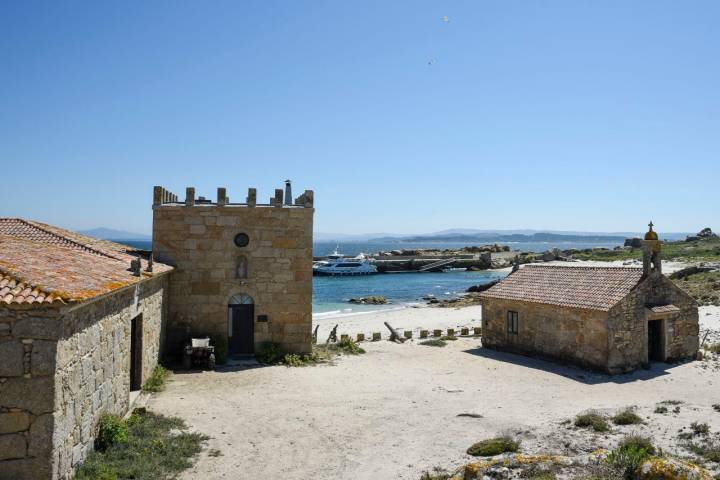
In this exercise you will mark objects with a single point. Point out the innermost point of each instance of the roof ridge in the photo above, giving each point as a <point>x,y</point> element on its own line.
<point>583,267</point>
<point>67,239</point>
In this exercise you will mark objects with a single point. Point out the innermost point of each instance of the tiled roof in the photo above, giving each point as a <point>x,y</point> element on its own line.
<point>665,309</point>
<point>41,264</point>
<point>592,288</point>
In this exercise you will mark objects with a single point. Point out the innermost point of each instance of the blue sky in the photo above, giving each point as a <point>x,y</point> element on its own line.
<point>558,115</point>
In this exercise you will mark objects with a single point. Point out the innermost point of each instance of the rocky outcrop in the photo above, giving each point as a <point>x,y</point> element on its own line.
<point>702,234</point>
<point>374,300</point>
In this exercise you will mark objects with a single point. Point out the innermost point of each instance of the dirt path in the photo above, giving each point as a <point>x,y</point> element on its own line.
<point>392,413</point>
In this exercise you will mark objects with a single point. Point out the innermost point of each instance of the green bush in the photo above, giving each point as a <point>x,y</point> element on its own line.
<point>434,342</point>
<point>493,446</point>
<point>592,419</point>
<point>220,342</point>
<point>112,431</point>
<point>700,428</point>
<point>156,382</point>
<point>661,409</point>
<point>349,347</point>
<point>637,442</point>
<point>627,417</point>
<point>628,459</point>
<point>269,354</point>
<point>156,447</point>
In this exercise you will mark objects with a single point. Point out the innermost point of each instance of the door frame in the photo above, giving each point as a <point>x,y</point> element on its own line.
<point>661,341</point>
<point>236,302</point>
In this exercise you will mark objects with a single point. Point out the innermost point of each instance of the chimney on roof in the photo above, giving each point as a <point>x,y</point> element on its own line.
<point>651,247</point>
<point>288,193</point>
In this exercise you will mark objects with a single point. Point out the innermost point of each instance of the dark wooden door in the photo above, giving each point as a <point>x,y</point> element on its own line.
<point>242,340</point>
<point>135,353</point>
<point>655,338</point>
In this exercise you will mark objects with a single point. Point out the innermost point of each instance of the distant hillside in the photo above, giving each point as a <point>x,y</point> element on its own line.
<point>111,234</point>
<point>505,238</point>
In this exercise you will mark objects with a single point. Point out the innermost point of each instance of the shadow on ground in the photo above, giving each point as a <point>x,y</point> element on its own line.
<point>587,377</point>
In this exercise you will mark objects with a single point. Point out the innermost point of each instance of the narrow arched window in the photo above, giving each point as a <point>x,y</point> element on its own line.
<point>241,270</point>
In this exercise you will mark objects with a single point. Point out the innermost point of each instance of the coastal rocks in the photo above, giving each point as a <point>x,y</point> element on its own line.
<point>481,288</point>
<point>373,300</point>
<point>671,469</point>
<point>704,233</point>
<point>635,242</point>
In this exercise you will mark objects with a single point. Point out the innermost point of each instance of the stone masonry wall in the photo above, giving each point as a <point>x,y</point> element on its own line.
<point>567,334</point>
<point>198,241</point>
<point>93,365</point>
<point>61,369</point>
<point>27,366</point>
<point>628,326</point>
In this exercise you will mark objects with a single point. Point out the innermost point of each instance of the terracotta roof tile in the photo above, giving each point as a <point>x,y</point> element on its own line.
<point>592,288</point>
<point>41,264</point>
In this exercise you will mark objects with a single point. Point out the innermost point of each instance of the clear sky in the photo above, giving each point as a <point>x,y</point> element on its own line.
<point>572,115</point>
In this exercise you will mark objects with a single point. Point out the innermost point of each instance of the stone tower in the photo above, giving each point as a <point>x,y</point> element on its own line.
<point>651,247</point>
<point>243,270</point>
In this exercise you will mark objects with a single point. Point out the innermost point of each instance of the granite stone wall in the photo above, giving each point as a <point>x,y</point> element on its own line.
<point>75,367</point>
<point>569,335</point>
<point>275,268</point>
<point>628,325</point>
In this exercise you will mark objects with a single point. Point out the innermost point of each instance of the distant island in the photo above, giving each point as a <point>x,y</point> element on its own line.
<point>506,238</point>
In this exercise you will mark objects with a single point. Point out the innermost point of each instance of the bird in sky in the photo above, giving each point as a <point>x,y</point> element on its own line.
<point>445,18</point>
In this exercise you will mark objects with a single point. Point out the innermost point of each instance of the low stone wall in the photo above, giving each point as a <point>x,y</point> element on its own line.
<point>63,368</point>
<point>569,335</point>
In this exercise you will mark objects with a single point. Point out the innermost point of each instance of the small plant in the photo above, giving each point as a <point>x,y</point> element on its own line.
<point>348,347</point>
<point>592,419</point>
<point>676,410</point>
<point>630,455</point>
<point>700,428</point>
<point>295,360</point>
<point>707,448</point>
<point>661,409</point>
<point>627,417</point>
<point>671,402</point>
<point>269,354</point>
<point>437,474</point>
<point>638,442</point>
<point>451,338</point>
<point>493,446</point>
<point>156,382</point>
<point>716,407</point>
<point>434,342</point>
<point>112,431</point>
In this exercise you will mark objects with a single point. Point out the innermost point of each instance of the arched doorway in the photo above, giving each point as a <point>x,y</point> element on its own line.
<point>241,327</point>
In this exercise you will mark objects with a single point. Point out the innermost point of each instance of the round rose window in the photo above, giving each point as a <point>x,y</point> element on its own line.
<point>241,240</point>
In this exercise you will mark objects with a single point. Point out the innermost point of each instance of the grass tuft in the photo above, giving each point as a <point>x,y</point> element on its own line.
<point>156,447</point>
<point>592,419</point>
<point>493,446</point>
<point>156,382</point>
<point>627,417</point>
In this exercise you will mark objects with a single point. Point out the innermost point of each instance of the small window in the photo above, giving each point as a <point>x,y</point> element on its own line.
<point>512,322</point>
<point>241,240</point>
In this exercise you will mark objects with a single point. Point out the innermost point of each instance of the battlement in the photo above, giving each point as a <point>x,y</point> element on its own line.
<point>163,197</point>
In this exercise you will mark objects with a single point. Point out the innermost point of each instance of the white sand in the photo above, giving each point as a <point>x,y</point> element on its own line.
<point>392,413</point>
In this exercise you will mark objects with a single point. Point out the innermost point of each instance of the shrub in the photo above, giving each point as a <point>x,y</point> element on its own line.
<point>493,446</point>
<point>269,354</point>
<point>627,417</point>
<point>112,431</point>
<point>700,428</point>
<point>349,347</point>
<point>449,337</point>
<point>716,407</point>
<point>434,342</point>
<point>156,381</point>
<point>661,409</point>
<point>220,343</point>
<point>592,419</point>
<point>707,448</point>
<point>630,454</point>
<point>637,442</point>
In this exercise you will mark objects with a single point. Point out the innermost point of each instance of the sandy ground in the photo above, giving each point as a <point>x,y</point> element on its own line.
<point>393,412</point>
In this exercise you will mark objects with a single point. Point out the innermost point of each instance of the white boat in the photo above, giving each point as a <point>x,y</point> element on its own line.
<point>337,264</point>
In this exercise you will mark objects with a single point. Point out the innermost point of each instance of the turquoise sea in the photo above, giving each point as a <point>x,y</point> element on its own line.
<point>331,294</point>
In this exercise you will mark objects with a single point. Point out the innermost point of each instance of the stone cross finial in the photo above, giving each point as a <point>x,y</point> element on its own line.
<point>650,225</point>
